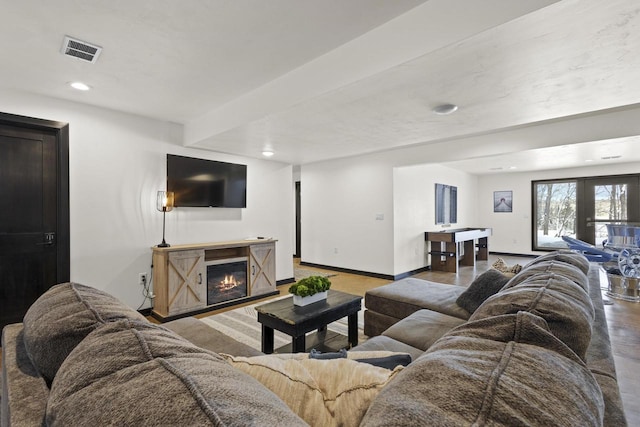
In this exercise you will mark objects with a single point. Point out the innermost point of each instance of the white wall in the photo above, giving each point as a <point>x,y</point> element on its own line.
<point>117,164</point>
<point>340,201</point>
<point>512,231</point>
<point>414,209</point>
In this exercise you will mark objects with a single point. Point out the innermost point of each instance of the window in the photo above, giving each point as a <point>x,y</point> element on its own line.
<point>581,208</point>
<point>554,213</point>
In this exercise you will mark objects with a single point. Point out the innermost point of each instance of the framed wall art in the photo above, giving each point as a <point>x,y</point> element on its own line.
<point>503,201</point>
<point>446,204</point>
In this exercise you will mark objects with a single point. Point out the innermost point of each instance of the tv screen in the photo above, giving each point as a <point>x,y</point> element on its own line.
<point>206,183</point>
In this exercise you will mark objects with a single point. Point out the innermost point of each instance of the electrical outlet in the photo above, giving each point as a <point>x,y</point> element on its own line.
<point>142,279</point>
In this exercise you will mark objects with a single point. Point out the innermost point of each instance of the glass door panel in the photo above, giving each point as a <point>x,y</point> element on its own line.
<point>554,213</point>
<point>610,200</point>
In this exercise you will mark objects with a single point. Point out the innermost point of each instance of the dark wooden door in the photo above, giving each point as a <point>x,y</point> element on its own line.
<point>298,253</point>
<point>30,222</point>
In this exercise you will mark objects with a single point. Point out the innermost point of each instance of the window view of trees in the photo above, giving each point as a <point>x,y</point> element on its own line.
<point>555,213</point>
<point>611,205</point>
<point>558,211</point>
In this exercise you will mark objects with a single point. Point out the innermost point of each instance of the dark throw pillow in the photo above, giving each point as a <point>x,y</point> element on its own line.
<point>484,286</point>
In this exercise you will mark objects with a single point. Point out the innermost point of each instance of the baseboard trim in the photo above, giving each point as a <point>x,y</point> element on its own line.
<point>347,270</point>
<point>367,273</point>
<point>514,255</point>
<point>285,281</point>
<point>397,276</point>
<point>412,272</point>
<point>145,311</point>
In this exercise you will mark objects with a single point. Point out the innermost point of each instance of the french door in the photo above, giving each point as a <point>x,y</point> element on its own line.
<point>580,208</point>
<point>608,200</point>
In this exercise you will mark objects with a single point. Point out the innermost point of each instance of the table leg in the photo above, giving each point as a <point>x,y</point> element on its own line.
<point>298,344</point>
<point>267,339</point>
<point>469,257</point>
<point>483,248</point>
<point>353,329</point>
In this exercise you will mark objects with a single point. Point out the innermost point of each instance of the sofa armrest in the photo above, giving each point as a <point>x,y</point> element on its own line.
<point>24,391</point>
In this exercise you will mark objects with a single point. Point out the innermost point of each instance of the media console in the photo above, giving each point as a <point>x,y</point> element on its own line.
<point>189,279</point>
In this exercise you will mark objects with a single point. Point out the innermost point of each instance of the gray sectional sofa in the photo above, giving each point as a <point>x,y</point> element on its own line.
<point>410,315</point>
<point>536,353</point>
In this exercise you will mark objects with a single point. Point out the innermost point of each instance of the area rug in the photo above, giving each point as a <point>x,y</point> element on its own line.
<point>301,273</point>
<point>242,325</point>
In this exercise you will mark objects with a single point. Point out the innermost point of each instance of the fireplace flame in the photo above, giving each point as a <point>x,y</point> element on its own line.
<point>228,282</point>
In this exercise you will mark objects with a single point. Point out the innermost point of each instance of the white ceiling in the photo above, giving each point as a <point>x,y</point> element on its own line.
<point>316,80</point>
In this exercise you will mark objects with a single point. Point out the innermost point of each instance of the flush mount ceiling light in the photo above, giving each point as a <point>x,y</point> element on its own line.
<point>268,153</point>
<point>444,109</point>
<point>80,86</point>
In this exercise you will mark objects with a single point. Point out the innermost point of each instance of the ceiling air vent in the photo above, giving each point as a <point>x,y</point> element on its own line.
<point>81,50</point>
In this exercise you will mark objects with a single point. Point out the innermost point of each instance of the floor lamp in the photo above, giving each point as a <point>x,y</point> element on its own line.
<point>164,205</point>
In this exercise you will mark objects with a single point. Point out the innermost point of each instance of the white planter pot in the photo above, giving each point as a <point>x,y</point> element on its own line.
<point>302,301</point>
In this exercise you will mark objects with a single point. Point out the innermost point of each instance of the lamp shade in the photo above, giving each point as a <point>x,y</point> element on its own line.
<point>165,201</point>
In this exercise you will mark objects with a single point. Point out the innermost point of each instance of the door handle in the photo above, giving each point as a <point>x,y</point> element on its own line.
<point>253,270</point>
<point>49,238</point>
<point>199,278</point>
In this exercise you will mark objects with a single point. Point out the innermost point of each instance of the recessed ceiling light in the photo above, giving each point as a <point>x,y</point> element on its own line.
<point>445,109</point>
<point>589,160</point>
<point>513,167</point>
<point>268,153</point>
<point>79,86</point>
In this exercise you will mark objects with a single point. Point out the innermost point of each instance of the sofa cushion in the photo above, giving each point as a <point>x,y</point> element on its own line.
<point>422,328</point>
<point>135,373</point>
<point>504,370</point>
<point>564,255</point>
<point>334,392</point>
<point>401,298</point>
<point>482,287</point>
<point>553,266</point>
<point>557,299</point>
<point>61,318</point>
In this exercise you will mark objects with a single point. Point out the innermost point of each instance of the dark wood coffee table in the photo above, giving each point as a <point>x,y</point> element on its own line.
<point>297,321</point>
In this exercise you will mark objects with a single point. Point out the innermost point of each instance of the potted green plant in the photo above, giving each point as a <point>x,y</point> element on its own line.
<point>309,290</point>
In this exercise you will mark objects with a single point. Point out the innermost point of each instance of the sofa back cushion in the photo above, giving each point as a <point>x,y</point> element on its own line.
<point>565,256</point>
<point>500,371</point>
<point>133,373</point>
<point>553,290</point>
<point>62,317</point>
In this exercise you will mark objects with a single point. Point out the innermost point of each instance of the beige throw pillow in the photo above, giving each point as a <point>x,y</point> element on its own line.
<point>335,392</point>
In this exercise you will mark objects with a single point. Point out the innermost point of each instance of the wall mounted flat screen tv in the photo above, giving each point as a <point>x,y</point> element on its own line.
<point>206,183</point>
